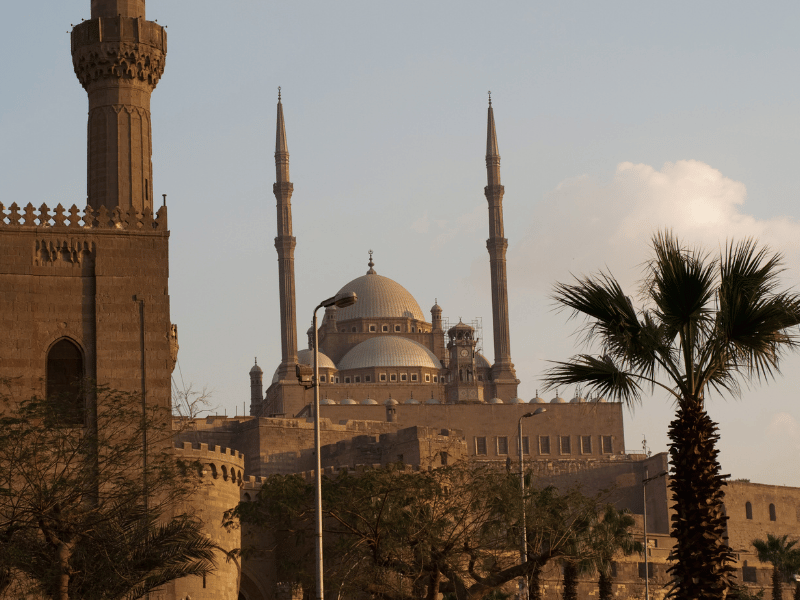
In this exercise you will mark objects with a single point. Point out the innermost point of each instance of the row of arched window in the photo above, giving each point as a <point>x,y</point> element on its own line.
<point>748,511</point>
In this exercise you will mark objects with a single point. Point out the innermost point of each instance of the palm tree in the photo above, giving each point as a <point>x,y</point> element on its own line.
<point>781,554</point>
<point>706,324</point>
<point>611,535</point>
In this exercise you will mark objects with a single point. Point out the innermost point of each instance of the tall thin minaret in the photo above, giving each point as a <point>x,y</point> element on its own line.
<point>285,244</point>
<point>119,58</point>
<point>504,378</point>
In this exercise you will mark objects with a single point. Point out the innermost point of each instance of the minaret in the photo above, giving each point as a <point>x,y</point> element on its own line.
<point>119,58</point>
<point>285,244</point>
<point>256,389</point>
<point>504,378</point>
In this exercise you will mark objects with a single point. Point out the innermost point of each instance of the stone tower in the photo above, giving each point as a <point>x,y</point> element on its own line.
<point>256,386</point>
<point>504,377</point>
<point>462,382</point>
<point>119,57</point>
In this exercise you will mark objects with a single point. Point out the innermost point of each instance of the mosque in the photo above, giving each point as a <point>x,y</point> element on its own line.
<point>84,295</point>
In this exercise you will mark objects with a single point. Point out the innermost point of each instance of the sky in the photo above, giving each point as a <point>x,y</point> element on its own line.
<point>614,119</point>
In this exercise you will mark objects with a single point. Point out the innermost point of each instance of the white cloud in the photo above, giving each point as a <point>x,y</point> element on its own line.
<point>584,219</point>
<point>465,223</point>
<point>422,224</point>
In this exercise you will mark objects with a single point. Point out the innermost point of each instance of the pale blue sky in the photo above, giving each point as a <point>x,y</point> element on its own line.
<point>385,107</point>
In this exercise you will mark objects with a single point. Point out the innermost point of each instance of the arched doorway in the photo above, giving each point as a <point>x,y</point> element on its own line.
<point>65,379</point>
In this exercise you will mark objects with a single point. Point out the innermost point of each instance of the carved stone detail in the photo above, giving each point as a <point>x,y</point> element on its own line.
<point>118,60</point>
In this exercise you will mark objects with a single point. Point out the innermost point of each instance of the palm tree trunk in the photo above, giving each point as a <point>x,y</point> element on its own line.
<point>570,581</point>
<point>797,591</point>
<point>702,569</point>
<point>604,587</point>
<point>777,584</point>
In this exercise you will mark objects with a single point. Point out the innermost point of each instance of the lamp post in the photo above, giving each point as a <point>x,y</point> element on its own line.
<point>339,301</point>
<point>645,481</point>
<point>523,549</point>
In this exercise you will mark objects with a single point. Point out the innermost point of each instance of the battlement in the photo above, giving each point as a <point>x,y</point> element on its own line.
<point>219,461</point>
<point>60,218</point>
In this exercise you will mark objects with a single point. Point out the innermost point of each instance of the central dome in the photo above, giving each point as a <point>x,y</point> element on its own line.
<point>379,298</point>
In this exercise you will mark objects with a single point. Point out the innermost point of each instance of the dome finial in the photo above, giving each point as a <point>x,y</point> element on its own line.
<point>256,360</point>
<point>371,264</point>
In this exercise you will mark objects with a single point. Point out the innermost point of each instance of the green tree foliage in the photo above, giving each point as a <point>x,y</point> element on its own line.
<point>611,536</point>
<point>76,518</point>
<point>393,533</point>
<point>706,324</point>
<point>781,553</point>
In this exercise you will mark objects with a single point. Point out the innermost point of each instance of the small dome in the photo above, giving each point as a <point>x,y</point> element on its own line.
<point>495,401</point>
<point>460,326</point>
<point>516,401</point>
<point>411,401</point>
<point>256,369</point>
<point>349,401</point>
<point>577,400</point>
<point>436,308</point>
<point>369,401</point>
<point>391,402</point>
<point>481,362</point>
<point>599,399</point>
<point>430,401</point>
<point>327,401</point>
<point>558,400</point>
<point>537,400</point>
<point>389,351</point>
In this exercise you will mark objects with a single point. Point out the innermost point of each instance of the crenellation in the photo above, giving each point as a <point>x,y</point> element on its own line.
<point>128,220</point>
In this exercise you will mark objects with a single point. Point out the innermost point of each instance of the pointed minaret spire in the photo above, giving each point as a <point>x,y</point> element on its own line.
<point>285,244</point>
<point>504,377</point>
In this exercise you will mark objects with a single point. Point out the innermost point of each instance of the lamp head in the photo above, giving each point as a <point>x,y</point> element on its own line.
<point>345,299</point>
<point>540,410</point>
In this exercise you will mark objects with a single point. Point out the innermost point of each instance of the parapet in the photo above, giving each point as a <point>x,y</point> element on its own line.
<point>60,218</point>
<point>225,462</point>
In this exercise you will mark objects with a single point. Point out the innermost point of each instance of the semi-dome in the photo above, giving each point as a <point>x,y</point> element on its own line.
<point>577,399</point>
<point>430,400</point>
<point>495,401</point>
<point>369,401</point>
<point>379,298</point>
<point>327,401</point>
<point>306,357</point>
<point>411,401</point>
<point>389,351</point>
<point>558,400</point>
<point>537,400</point>
<point>481,362</point>
<point>391,401</point>
<point>516,401</point>
<point>349,401</point>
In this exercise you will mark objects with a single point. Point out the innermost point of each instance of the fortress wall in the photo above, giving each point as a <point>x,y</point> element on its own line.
<point>500,420</point>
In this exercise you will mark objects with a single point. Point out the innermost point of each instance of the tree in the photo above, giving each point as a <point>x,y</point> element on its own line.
<point>611,535</point>
<point>782,555</point>
<point>80,515</point>
<point>705,325</point>
<point>395,533</point>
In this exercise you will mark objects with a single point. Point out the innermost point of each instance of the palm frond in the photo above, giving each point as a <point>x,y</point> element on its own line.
<point>601,375</point>
<point>680,282</point>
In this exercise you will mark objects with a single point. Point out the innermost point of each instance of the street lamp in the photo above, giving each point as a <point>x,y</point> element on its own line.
<point>523,550</point>
<point>645,481</point>
<point>339,301</point>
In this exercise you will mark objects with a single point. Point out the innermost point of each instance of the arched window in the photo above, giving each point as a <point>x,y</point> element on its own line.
<point>748,511</point>
<point>772,515</point>
<point>64,379</point>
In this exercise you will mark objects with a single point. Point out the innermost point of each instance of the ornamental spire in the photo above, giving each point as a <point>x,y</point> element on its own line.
<point>371,264</point>
<point>492,153</point>
<point>281,147</point>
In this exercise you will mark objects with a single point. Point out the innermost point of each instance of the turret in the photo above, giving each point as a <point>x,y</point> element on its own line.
<point>256,389</point>
<point>119,58</point>
<point>504,376</point>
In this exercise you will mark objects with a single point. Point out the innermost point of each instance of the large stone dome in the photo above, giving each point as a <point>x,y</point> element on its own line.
<point>389,351</point>
<point>379,298</point>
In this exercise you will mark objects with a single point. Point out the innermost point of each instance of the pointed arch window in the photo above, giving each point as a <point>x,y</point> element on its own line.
<point>64,379</point>
<point>748,511</point>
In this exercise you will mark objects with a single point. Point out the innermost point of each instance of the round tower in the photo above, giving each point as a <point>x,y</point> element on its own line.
<point>119,58</point>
